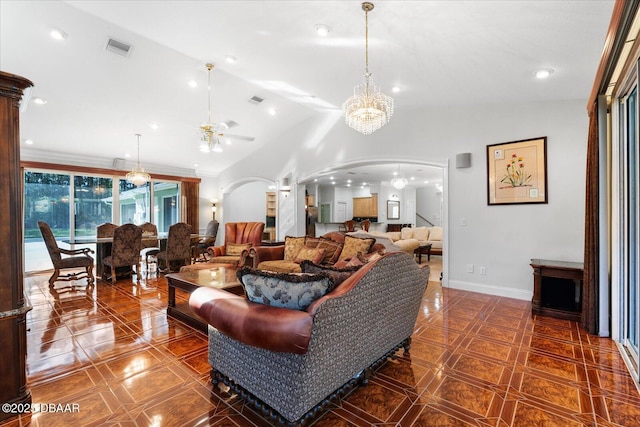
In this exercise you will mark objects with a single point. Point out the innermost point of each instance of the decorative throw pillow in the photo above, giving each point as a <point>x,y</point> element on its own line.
<point>332,250</point>
<point>370,257</point>
<point>292,246</point>
<point>235,249</point>
<point>338,275</point>
<point>289,290</point>
<point>311,242</point>
<point>311,254</point>
<point>353,245</point>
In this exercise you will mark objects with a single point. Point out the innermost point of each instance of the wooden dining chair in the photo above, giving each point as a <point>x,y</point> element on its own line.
<point>78,258</point>
<point>125,251</point>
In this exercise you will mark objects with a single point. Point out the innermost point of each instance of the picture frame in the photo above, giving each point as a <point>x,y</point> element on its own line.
<point>393,209</point>
<point>517,172</point>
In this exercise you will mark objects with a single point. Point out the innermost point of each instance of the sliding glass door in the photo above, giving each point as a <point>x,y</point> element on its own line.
<point>629,229</point>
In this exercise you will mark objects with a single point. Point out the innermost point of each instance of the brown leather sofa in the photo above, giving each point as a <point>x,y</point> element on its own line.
<point>292,363</point>
<point>236,233</point>
<point>272,257</point>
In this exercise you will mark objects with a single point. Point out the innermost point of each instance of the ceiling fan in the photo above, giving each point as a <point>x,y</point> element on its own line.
<point>210,132</point>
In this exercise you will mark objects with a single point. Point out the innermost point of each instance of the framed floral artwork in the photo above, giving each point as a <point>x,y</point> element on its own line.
<point>517,172</point>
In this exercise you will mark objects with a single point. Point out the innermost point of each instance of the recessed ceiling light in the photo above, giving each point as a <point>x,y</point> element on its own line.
<point>28,142</point>
<point>315,179</point>
<point>127,155</point>
<point>333,182</point>
<point>412,178</point>
<point>40,101</point>
<point>544,73</point>
<point>192,83</point>
<point>195,165</point>
<point>395,89</point>
<point>322,30</point>
<point>272,111</point>
<point>58,34</point>
<point>349,181</point>
<point>230,59</point>
<point>364,183</point>
<point>426,182</point>
<point>153,126</point>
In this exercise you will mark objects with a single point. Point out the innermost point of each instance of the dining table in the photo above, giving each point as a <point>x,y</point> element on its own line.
<point>103,245</point>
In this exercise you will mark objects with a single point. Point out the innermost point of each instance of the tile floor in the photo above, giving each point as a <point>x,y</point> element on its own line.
<point>476,360</point>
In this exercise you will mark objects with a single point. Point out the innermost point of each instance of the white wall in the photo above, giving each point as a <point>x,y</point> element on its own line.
<point>428,201</point>
<point>501,238</point>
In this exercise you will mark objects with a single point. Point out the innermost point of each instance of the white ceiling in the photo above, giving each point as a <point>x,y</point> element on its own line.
<point>440,54</point>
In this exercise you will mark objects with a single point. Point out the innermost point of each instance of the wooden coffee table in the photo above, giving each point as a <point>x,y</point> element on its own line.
<point>220,276</point>
<point>423,250</point>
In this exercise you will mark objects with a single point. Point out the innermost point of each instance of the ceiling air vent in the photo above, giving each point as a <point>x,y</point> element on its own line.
<point>230,124</point>
<point>119,48</point>
<point>255,100</point>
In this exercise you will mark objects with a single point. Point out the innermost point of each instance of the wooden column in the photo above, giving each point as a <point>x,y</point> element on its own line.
<point>13,307</point>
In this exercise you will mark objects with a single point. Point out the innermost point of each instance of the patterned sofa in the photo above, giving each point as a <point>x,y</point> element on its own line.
<point>336,246</point>
<point>293,363</point>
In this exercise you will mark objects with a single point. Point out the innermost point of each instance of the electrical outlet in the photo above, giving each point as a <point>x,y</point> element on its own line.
<point>469,268</point>
<point>483,270</point>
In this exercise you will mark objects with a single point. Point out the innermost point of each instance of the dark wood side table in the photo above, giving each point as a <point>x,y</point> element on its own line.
<point>219,277</point>
<point>557,289</point>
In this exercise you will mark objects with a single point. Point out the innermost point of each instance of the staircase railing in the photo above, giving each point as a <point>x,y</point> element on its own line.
<point>425,220</point>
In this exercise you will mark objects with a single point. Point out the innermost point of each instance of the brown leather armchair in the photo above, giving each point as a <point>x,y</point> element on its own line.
<point>236,233</point>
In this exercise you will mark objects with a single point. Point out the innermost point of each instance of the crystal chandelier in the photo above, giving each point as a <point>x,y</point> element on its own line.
<point>138,176</point>
<point>210,132</point>
<point>368,109</point>
<point>399,182</point>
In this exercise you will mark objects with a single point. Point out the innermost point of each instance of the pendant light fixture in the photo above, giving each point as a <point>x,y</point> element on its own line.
<point>399,181</point>
<point>368,109</point>
<point>138,176</point>
<point>210,132</point>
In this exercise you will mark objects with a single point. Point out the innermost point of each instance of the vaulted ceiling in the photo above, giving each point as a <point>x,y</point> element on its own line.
<point>437,53</point>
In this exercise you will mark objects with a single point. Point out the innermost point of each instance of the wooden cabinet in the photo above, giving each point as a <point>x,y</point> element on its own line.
<point>365,207</point>
<point>557,289</point>
<point>13,306</point>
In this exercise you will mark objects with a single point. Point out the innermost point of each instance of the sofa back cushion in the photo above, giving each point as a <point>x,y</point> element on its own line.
<point>353,245</point>
<point>435,233</point>
<point>289,290</point>
<point>421,233</point>
<point>406,233</point>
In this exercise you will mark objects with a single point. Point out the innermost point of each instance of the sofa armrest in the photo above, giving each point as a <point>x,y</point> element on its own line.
<point>268,253</point>
<point>258,325</point>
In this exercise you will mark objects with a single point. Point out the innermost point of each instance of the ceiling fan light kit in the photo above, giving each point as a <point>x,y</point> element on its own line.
<point>368,109</point>
<point>210,133</point>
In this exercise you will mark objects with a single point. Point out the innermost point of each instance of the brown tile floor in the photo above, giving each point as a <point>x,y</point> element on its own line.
<point>476,360</point>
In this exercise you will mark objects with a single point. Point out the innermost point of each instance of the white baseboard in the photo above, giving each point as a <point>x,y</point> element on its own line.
<point>491,289</point>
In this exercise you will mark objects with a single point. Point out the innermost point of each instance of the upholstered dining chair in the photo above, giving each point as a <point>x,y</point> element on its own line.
<point>178,247</point>
<point>125,251</point>
<point>150,247</point>
<point>79,258</point>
